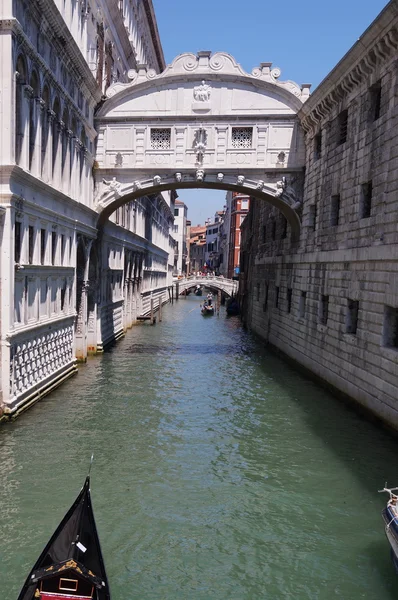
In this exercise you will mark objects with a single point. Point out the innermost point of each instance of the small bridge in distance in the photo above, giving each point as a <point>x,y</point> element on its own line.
<point>228,286</point>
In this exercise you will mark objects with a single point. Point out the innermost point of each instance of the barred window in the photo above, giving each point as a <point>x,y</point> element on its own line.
<point>160,139</point>
<point>242,137</point>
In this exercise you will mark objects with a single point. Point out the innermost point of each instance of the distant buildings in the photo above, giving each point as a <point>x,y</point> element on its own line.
<point>212,252</point>
<point>216,245</point>
<point>237,209</point>
<point>197,248</point>
<point>180,236</point>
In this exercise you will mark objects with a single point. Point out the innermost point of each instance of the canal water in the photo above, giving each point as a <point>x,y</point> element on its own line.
<point>220,473</point>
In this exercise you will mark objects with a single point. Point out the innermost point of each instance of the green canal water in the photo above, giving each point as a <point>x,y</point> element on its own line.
<point>220,473</point>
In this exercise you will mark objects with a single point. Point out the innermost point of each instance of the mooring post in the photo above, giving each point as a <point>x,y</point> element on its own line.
<point>160,308</point>
<point>152,319</point>
<point>218,301</point>
<point>177,290</point>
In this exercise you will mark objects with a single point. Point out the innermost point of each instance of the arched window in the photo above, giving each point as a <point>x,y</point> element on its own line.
<point>19,116</point>
<point>34,84</point>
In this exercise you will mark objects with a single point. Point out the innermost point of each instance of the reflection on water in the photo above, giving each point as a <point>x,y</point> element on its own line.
<point>219,472</point>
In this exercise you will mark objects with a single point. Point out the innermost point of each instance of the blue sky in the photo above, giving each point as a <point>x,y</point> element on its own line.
<point>305,39</point>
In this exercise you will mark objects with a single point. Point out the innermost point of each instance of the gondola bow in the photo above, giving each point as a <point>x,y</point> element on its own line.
<point>71,565</point>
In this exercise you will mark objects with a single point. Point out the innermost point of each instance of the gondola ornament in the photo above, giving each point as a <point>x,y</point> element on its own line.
<point>71,565</point>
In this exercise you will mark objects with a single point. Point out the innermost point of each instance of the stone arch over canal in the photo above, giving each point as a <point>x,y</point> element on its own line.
<point>202,123</point>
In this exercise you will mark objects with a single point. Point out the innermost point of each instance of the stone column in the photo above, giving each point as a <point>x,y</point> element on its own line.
<point>81,325</point>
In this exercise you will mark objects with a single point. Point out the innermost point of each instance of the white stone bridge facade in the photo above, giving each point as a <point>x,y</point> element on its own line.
<point>202,123</point>
<point>229,287</point>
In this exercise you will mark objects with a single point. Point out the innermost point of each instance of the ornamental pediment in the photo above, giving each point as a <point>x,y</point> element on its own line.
<point>203,84</point>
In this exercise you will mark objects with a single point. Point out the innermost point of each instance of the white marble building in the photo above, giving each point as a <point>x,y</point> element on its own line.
<point>97,134</point>
<point>68,288</point>
<point>180,236</point>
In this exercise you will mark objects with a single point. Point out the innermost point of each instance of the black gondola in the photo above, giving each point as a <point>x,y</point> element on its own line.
<point>71,565</point>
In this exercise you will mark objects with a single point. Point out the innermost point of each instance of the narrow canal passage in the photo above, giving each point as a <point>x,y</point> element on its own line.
<point>220,473</point>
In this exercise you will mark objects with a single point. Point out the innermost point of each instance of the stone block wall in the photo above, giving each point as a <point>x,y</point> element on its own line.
<point>330,300</point>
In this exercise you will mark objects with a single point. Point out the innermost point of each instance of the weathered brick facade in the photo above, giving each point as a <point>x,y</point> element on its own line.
<point>330,300</point>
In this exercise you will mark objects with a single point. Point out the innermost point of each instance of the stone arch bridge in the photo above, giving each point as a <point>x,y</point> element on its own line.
<point>202,123</point>
<point>228,286</point>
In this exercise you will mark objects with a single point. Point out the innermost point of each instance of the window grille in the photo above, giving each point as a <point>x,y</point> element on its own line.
<point>242,137</point>
<point>160,139</point>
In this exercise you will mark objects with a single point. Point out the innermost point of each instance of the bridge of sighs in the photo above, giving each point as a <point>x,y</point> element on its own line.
<point>201,123</point>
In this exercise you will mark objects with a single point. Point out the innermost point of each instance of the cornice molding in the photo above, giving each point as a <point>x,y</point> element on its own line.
<point>150,15</point>
<point>14,26</point>
<point>62,38</point>
<point>378,44</point>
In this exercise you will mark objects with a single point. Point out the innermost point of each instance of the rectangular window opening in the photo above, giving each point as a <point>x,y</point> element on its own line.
<point>324,310</point>
<point>242,137</point>
<point>365,205</point>
<point>312,217</point>
<point>53,247</point>
<point>342,120</point>
<point>375,101</point>
<point>302,302</point>
<point>17,241</point>
<point>276,296</point>
<point>390,327</point>
<point>62,248</point>
<point>265,305</point>
<point>160,139</point>
<point>63,294</point>
<point>318,146</point>
<point>334,210</point>
<point>31,239</point>
<point>42,246</point>
<point>351,321</point>
<point>289,299</point>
